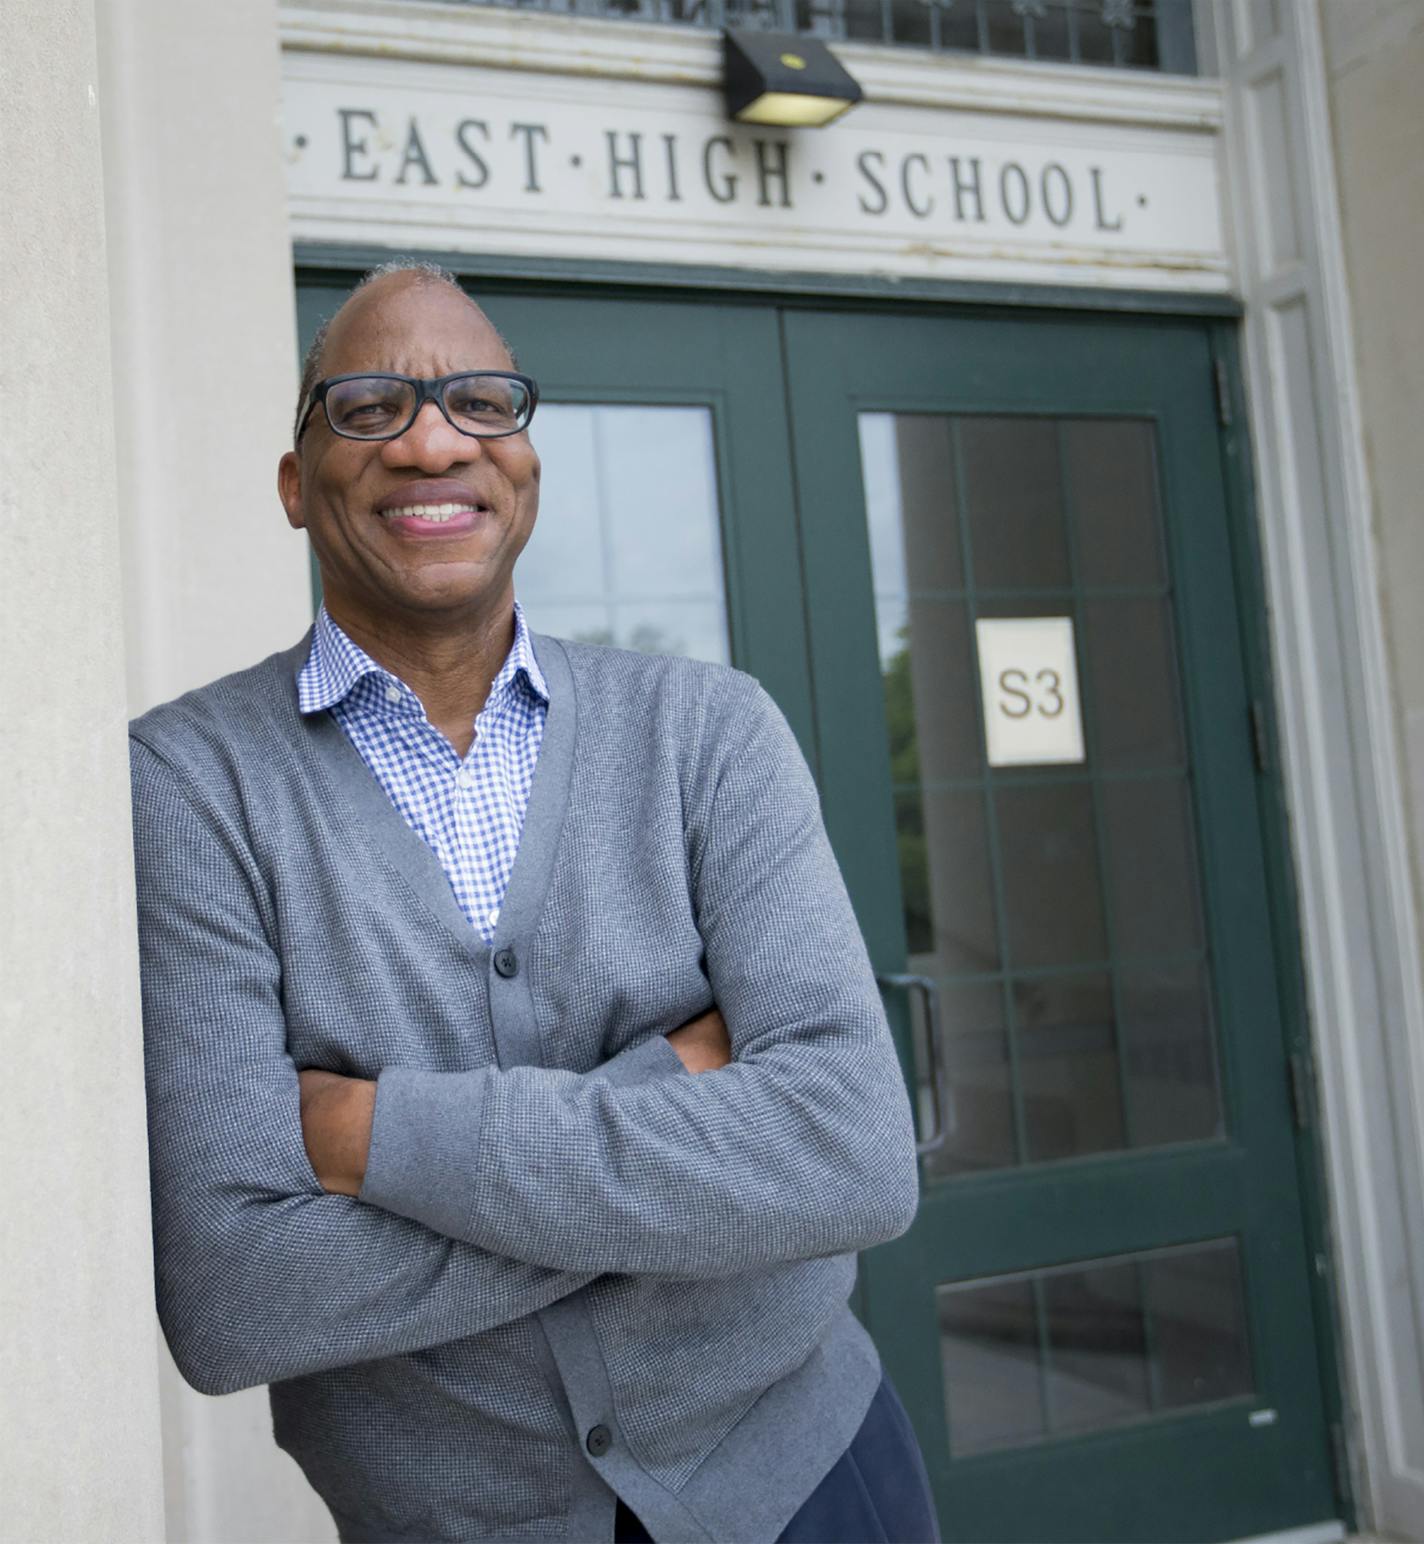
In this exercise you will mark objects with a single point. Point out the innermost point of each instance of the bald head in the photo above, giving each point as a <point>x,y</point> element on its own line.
<point>373,307</point>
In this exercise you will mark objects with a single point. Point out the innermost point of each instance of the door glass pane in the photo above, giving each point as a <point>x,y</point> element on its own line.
<point>1012,490</point>
<point>627,548</point>
<point>1199,1325</point>
<point>1151,864</point>
<point>1134,675</point>
<point>978,1110</point>
<point>1112,478</point>
<point>1097,1347</point>
<point>1170,1052</point>
<point>1052,889</point>
<point>1100,1343</point>
<point>1058,904</point>
<point>954,849</point>
<point>937,728</point>
<point>1068,1065</point>
<point>989,1338</point>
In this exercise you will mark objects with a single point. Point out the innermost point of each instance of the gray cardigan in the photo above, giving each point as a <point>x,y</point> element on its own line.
<point>571,1267</point>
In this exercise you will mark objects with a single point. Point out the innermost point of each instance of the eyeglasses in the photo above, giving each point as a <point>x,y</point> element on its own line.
<point>487,404</point>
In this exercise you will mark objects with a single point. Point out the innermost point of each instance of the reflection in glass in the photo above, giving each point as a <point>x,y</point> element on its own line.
<point>1068,1065</point>
<point>1199,1319</point>
<point>962,935</point>
<point>1052,889</point>
<point>1151,861</point>
<point>1058,908</point>
<point>1170,1053</point>
<point>1133,669</point>
<point>924,459</point>
<point>627,547</point>
<point>1112,475</point>
<point>989,1343</point>
<point>940,717</point>
<point>1083,1347</point>
<point>978,1110</point>
<point>1013,490</point>
<point>1097,1347</point>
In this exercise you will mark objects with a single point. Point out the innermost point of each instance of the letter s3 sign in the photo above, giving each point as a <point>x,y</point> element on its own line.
<point>1028,683</point>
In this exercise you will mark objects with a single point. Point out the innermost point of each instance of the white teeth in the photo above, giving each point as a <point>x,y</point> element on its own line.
<point>435,512</point>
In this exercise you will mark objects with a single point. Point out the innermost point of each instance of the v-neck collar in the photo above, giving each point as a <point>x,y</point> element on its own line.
<point>385,829</point>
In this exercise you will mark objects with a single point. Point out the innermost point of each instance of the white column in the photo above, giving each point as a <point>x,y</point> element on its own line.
<point>204,345</point>
<point>204,334</point>
<point>1337,695</point>
<point>79,1434</point>
<point>1374,59</point>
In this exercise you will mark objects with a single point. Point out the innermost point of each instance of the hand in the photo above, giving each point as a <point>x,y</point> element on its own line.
<point>703,1043</point>
<point>336,1127</point>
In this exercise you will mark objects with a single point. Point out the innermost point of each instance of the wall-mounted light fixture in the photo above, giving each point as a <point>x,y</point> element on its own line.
<point>780,78</point>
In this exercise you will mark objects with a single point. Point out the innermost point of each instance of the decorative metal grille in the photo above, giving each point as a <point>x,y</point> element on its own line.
<point>1126,34</point>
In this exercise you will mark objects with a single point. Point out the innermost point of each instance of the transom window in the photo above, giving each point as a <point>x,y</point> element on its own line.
<point>1122,34</point>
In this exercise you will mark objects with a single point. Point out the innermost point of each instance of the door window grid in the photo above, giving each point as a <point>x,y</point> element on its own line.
<point>627,546</point>
<point>1155,1071</point>
<point>1065,1350</point>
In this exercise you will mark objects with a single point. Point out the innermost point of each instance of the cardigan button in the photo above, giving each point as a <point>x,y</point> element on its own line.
<point>506,962</point>
<point>598,1441</point>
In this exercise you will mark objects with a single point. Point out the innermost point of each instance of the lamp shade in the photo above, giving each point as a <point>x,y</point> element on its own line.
<point>781,78</point>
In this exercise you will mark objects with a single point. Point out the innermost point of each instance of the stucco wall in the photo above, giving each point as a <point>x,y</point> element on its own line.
<point>204,342</point>
<point>79,1438</point>
<point>204,331</point>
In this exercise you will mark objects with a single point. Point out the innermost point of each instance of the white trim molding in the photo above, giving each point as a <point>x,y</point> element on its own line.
<point>1349,829</point>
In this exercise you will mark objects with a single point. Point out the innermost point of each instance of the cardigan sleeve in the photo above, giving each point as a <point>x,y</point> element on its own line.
<point>260,1274</point>
<point>803,1146</point>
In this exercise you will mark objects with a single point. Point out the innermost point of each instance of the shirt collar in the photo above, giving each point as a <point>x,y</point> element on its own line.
<point>336,666</point>
<point>521,661</point>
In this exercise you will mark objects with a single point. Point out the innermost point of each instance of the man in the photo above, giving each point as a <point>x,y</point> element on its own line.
<point>519,1088</point>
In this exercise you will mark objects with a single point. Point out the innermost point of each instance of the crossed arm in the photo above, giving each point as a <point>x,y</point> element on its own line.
<point>513,1187</point>
<point>337,1111</point>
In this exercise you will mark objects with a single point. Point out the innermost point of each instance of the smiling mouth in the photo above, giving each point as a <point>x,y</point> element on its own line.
<point>435,513</point>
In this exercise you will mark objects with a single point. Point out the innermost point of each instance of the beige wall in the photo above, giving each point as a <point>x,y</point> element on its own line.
<point>1375,64</point>
<point>79,1431</point>
<point>1339,679</point>
<point>204,339</point>
<point>204,330</point>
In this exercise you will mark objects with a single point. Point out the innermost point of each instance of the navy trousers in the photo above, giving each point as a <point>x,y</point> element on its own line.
<point>877,1493</point>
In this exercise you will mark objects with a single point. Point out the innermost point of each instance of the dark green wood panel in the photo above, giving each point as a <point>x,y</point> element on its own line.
<point>1133,1482</point>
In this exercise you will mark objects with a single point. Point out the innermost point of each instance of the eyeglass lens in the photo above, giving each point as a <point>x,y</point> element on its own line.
<point>374,407</point>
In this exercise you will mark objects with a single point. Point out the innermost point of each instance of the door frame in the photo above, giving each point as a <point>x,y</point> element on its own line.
<point>1222,318</point>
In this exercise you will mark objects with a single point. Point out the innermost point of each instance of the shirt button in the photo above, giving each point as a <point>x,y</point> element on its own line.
<point>506,962</point>
<point>393,694</point>
<point>598,1441</point>
<point>494,919</point>
<point>465,777</point>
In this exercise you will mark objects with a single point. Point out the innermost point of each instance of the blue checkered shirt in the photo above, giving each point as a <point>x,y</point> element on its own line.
<point>469,812</point>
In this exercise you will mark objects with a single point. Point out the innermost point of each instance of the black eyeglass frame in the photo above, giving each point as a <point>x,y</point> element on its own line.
<point>427,389</point>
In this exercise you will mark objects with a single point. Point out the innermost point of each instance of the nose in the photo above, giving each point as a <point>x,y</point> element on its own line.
<point>431,443</point>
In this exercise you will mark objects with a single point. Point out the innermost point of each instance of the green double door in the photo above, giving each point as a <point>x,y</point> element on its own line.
<point>986,564</point>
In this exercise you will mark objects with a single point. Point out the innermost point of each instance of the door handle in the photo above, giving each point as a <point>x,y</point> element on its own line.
<point>929,994</point>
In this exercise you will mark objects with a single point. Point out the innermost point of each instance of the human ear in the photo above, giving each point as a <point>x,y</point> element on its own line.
<point>289,489</point>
